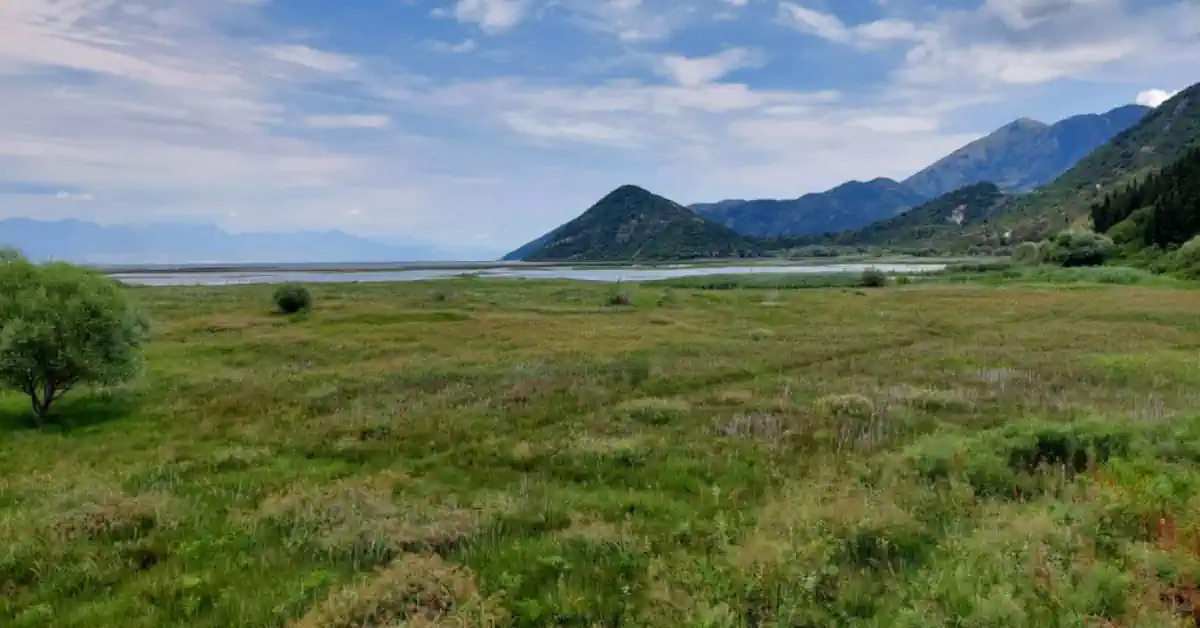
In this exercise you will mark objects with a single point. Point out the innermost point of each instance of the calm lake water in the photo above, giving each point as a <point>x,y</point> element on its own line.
<point>631,273</point>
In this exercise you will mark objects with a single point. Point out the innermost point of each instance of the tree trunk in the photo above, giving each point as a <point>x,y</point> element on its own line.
<point>41,408</point>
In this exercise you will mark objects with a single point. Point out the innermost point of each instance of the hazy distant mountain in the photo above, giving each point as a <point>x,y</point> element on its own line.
<point>182,243</point>
<point>1024,154</point>
<point>632,224</point>
<point>848,206</point>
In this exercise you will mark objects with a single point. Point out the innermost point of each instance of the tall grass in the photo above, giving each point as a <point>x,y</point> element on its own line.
<point>523,454</point>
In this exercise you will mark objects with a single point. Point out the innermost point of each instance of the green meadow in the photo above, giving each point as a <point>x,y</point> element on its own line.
<point>980,450</point>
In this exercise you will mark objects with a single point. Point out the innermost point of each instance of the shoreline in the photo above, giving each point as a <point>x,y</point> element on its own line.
<point>467,266</point>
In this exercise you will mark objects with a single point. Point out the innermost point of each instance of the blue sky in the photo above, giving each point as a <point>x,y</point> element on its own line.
<point>487,122</point>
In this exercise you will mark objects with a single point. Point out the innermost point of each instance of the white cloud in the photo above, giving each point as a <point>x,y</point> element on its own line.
<point>493,16</point>
<point>347,122</point>
<point>702,70</point>
<point>823,25</point>
<point>830,27</point>
<point>1154,97</point>
<point>312,58</point>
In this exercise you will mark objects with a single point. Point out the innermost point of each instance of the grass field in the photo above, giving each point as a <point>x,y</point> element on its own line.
<point>495,453</point>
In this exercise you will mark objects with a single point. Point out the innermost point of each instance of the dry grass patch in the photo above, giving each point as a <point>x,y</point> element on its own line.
<point>115,515</point>
<point>654,410</point>
<point>829,521</point>
<point>362,518</point>
<point>416,591</point>
<point>599,445</point>
<point>933,400</point>
<point>766,427</point>
<point>735,396</point>
<point>847,406</point>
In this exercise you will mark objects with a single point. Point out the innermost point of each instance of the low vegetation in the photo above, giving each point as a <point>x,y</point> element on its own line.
<point>521,454</point>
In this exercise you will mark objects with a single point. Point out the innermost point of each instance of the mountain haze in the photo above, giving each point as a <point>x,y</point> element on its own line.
<point>181,243</point>
<point>848,206</point>
<point>1025,154</point>
<point>632,224</point>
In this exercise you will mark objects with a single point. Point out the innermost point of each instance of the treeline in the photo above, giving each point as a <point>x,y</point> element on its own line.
<point>1167,204</point>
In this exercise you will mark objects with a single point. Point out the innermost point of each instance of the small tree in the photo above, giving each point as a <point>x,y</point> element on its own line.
<point>873,278</point>
<point>1027,253</point>
<point>1186,260</point>
<point>292,298</point>
<point>61,327</point>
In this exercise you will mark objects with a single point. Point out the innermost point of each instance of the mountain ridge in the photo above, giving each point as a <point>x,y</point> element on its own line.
<point>849,205</point>
<point>1025,153</point>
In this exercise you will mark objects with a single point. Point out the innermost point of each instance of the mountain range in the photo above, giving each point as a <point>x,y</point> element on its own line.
<point>1017,157</point>
<point>1023,181</point>
<point>183,243</point>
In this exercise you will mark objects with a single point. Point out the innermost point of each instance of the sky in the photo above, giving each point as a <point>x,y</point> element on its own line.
<point>488,122</point>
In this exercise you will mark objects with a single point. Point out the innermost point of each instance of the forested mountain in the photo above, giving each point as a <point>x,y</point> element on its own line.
<point>848,206</point>
<point>1163,209</point>
<point>1024,154</point>
<point>632,224</point>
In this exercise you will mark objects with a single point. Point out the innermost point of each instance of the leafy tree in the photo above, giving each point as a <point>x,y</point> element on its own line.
<point>61,327</point>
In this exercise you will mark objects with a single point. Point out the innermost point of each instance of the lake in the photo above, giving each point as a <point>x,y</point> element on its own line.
<point>610,274</point>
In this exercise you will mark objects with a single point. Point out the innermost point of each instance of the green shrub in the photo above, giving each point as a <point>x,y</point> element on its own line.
<point>873,278</point>
<point>1028,253</point>
<point>618,298</point>
<point>1186,261</point>
<point>1080,248</point>
<point>62,327</point>
<point>292,298</point>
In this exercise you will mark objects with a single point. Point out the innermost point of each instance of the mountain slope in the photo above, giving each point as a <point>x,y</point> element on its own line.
<point>632,224</point>
<point>1025,154</point>
<point>943,218</point>
<point>1159,139</point>
<point>848,206</point>
<point>177,243</point>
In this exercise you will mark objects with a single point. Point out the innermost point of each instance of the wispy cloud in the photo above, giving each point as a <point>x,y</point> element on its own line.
<point>348,122</point>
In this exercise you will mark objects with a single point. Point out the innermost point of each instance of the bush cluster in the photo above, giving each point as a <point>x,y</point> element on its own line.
<point>292,298</point>
<point>1074,247</point>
